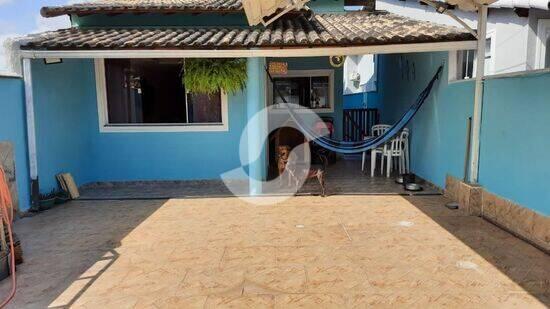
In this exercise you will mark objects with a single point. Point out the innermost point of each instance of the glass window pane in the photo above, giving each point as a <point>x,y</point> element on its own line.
<point>488,56</point>
<point>145,91</point>
<point>204,108</point>
<point>460,66</point>
<point>118,94</point>
<point>320,92</point>
<point>294,90</point>
<point>488,46</point>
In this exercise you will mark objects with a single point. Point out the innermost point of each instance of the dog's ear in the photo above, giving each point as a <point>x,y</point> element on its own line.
<point>283,149</point>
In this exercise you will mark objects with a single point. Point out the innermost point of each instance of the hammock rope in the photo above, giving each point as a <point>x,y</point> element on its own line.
<point>367,144</point>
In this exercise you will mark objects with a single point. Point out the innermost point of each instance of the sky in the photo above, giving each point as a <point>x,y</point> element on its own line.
<point>20,17</point>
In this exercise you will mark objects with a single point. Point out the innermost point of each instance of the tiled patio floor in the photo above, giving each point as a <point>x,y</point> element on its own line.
<point>310,252</point>
<point>344,177</point>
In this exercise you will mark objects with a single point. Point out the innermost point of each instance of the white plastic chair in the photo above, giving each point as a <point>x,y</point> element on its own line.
<point>376,130</point>
<point>393,150</point>
<point>396,149</point>
<point>380,129</point>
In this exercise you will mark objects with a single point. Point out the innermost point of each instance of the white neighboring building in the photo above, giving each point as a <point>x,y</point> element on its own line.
<point>518,34</point>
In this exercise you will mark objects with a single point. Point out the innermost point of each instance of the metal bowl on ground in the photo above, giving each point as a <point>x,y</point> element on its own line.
<point>399,180</point>
<point>413,187</point>
<point>409,178</point>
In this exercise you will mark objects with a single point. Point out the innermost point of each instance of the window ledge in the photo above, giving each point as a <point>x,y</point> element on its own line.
<point>164,128</point>
<point>303,110</point>
<point>460,81</point>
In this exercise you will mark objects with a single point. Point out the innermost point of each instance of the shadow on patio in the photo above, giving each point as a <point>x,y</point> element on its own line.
<point>68,248</point>
<point>527,266</point>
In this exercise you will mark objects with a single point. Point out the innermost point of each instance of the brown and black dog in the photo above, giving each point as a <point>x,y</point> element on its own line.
<point>286,162</point>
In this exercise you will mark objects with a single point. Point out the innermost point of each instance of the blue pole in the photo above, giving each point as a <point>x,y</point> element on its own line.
<point>255,102</point>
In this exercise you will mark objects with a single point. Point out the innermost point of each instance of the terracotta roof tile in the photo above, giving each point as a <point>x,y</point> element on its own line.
<point>350,29</point>
<point>141,6</point>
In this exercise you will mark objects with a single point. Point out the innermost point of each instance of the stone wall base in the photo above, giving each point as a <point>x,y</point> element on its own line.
<point>519,220</point>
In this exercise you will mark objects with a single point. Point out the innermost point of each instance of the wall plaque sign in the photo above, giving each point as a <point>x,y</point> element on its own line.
<point>278,68</point>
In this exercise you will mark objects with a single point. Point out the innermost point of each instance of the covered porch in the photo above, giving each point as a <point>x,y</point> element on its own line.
<point>72,109</point>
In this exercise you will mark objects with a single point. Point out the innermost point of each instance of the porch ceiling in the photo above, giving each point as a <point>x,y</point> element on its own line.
<point>353,29</point>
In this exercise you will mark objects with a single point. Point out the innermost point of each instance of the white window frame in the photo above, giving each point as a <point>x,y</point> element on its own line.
<point>453,57</point>
<point>305,73</point>
<point>453,68</point>
<point>491,34</point>
<point>103,113</point>
<point>543,27</point>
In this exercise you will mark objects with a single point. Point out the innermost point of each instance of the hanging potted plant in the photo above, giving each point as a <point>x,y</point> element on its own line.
<point>209,76</point>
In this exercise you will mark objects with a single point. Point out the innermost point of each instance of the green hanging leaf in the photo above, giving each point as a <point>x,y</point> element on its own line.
<point>209,76</point>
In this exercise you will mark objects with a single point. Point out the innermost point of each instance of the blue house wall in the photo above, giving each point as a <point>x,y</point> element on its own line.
<point>169,156</point>
<point>438,131</point>
<point>362,100</point>
<point>13,129</point>
<point>515,148</point>
<point>355,101</point>
<point>513,160</point>
<point>63,120</point>
<point>69,139</point>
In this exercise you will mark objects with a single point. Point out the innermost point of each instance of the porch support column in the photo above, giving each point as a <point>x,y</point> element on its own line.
<point>31,132</point>
<point>257,133</point>
<point>478,99</point>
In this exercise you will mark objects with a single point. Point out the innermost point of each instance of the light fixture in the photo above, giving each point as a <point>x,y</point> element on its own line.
<point>337,61</point>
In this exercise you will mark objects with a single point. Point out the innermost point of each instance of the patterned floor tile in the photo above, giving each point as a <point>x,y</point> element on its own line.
<point>305,252</point>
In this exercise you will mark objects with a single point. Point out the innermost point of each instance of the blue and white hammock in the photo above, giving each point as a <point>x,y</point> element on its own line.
<point>367,144</point>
